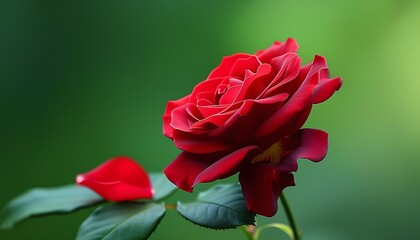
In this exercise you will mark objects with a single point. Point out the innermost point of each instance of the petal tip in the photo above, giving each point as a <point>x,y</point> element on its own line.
<point>80,179</point>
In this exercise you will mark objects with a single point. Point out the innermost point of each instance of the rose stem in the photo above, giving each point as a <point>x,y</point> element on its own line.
<point>296,232</point>
<point>248,235</point>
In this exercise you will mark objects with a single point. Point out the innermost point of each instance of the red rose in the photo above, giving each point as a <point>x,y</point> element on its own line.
<point>246,117</point>
<point>118,179</point>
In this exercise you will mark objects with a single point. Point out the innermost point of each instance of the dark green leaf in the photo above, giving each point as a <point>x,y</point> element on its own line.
<point>163,187</point>
<point>122,221</point>
<point>222,206</point>
<point>41,201</point>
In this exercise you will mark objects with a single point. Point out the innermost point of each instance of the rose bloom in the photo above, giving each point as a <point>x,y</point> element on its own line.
<point>246,117</point>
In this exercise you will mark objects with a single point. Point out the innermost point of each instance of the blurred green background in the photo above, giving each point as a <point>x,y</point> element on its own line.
<point>83,81</point>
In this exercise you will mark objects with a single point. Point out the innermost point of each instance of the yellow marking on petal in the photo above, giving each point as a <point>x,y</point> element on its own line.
<point>270,155</point>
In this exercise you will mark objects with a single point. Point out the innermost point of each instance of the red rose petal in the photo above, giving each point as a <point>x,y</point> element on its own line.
<point>181,120</point>
<point>210,110</point>
<point>249,116</point>
<point>193,111</point>
<point>262,185</point>
<point>313,144</point>
<point>241,65</point>
<point>184,169</point>
<point>279,98</point>
<point>318,64</point>
<point>213,121</point>
<point>206,97</point>
<point>296,104</point>
<point>226,65</point>
<point>118,179</point>
<point>310,144</point>
<point>326,89</point>
<point>250,89</point>
<point>288,69</point>
<point>230,95</point>
<point>277,49</point>
<point>200,144</point>
<point>167,128</point>
<point>243,109</point>
<point>209,85</point>
<point>224,167</point>
<point>203,168</point>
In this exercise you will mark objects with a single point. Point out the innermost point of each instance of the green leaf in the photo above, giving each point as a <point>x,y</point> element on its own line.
<point>283,227</point>
<point>42,201</point>
<point>220,207</point>
<point>163,187</point>
<point>122,221</point>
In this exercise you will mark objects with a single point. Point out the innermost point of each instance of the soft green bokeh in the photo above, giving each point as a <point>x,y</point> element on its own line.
<point>84,81</point>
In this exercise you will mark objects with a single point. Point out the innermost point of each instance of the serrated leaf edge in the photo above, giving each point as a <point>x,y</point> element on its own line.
<point>133,215</point>
<point>207,202</point>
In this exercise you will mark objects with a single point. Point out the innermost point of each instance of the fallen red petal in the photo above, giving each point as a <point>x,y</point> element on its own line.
<point>118,179</point>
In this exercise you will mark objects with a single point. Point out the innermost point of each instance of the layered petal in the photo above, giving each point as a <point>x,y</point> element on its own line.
<point>167,128</point>
<point>188,169</point>
<point>199,144</point>
<point>208,87</point>
<point>241,65</point>
<point>239,113</point>
<point>313,145</point>
<point>253,85</point>
<point>240,128</point>
<point>326,86</point>
<point>261,185</point>
<point>226,166</point>
<point>326,89</point>
<point>288,68</point>
<point>277,49</point>
<point>118,179</point>
<point>306,143</point>
<point>295,105</point>
<point>225,66</point>
<point>181,120</point>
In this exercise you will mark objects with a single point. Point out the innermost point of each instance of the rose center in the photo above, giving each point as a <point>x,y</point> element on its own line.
<point>271,155</point>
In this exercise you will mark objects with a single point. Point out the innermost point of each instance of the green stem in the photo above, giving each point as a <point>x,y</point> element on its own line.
<point>244,229</point>
<point>296,232</point>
